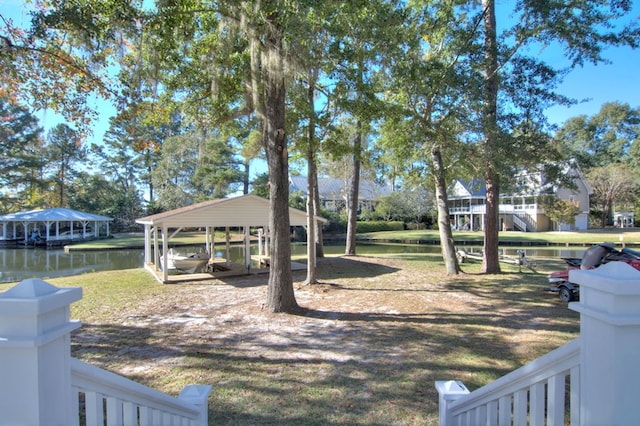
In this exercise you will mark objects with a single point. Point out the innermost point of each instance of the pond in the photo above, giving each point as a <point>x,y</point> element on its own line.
<point>17,264</point>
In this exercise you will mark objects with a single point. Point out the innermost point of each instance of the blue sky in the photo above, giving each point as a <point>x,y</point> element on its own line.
<point>618,81</point>
<point>598,84</point>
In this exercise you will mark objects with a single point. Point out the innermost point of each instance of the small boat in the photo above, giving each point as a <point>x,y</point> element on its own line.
<point>188,263</point>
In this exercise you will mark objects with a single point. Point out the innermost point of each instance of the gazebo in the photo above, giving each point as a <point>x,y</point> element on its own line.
<point>55,226</point>
<point>245,211</point>
<point>624,219</point>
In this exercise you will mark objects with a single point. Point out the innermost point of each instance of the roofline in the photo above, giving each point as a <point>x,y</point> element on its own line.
<point>158,218</point>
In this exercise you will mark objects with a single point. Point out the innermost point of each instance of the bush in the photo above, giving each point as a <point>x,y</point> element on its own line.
<point>379,225</point>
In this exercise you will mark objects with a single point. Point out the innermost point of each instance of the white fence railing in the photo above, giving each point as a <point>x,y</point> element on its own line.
<point>591,380</point>
<point>115,400</point>
<point>41,384</point>
<point>533,393</point>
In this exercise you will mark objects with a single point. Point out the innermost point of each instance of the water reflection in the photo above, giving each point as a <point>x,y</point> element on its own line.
<point>17,264</point>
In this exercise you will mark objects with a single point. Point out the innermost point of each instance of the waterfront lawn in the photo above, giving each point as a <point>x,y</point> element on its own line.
<point>614,235</point>
<point>366,348</point>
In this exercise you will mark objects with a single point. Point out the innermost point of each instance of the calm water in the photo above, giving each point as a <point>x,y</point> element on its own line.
<point>17,264</point>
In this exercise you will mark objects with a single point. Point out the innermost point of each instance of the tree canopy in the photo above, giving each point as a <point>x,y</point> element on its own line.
<point>417,92</point>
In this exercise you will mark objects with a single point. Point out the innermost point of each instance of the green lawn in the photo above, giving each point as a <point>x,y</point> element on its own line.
<point>630,236</point>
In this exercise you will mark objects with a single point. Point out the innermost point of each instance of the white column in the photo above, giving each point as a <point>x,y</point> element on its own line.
<point>156,249</point>
<point>165,253</point>
<point>247,249</point>
<point>147,244</point>
<point>227,245</point>
<point>610,336</point>
<point>35,369</point>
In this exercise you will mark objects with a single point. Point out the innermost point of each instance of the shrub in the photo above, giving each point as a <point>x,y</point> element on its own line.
<point>379,225</point>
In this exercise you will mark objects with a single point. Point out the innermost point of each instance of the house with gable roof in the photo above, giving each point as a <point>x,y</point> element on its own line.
<point>521,210</point>
<point>334,192</point>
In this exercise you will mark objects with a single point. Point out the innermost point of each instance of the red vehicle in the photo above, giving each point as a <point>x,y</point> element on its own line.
<point>595,256</point>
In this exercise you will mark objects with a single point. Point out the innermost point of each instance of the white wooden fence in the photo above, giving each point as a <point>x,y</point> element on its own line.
<point>41,384</point>
<point>593,380</point>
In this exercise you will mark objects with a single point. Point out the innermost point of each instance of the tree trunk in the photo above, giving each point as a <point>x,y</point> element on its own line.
<point>311,219</point>
<point>280,295</point>
<point>490,262</point>
<point>62,180</point>
<point>246,177</point>
<point>316,208</point>
<point>150,184</point>
<point>312,185</point>
<point>444,222</point>
<point>490,255</point>
<point>352,201</point>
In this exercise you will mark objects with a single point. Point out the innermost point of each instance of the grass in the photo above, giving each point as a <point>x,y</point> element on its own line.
<point>372,339</point>
<point>629,235</point>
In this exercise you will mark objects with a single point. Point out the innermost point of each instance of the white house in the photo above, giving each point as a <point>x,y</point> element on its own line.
<point>520,211</point>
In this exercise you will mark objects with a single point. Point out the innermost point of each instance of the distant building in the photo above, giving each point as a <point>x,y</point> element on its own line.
<point>334,192</point>
<point>521,211</point>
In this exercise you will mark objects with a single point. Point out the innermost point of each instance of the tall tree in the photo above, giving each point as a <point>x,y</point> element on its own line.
<point>603,138</point>
<point>613,183</point>
<point>94,193</point>
<point>267,25</point>
<point>490,263</point>
<point>356,49</point>
<point>583,29</point>
<point>218,172</point>
<point>63,151</point>
<point>21,157</point>
<point>431,86</point>
<point>174,172</point>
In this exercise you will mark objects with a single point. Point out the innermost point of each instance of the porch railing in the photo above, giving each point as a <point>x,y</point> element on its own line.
<point>589,381</point>
<point>102,397</point>
<point>41,384</point>
<point>532,393</point>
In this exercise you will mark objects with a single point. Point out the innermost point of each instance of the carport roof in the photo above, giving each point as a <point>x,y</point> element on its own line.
<point>244,210</point>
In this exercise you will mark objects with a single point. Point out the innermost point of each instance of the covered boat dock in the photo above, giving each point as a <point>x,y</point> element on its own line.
<point>53,227</point>
<point>243,212</point>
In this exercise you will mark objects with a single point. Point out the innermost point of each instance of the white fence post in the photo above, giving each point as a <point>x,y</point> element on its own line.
<point>35,345</point>
<point>198,395</point>
<point>610,336</point>
<point>448,391</point>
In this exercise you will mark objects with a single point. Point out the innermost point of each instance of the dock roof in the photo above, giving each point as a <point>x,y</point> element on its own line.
<point>244,210</point>
<point>57,214</point>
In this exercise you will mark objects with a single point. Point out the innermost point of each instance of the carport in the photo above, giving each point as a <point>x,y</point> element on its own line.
<point>244,212</point>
